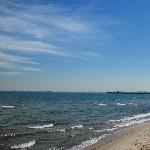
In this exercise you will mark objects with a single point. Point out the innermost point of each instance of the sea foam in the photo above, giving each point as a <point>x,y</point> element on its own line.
<point>101,104</point>
<point>7,106</point>
<point>132,104</point>
<point>24,145</point>
<point>60,130</point>
<point>88,143</point>
<point>138,116</point>
<point>98,103</point>
<point>78,126</point>
<point>107,130</point>
<point>136,119</point>
<point>121,104</point>
<point>124,122</point>
<point>113,121</point>
<point>41,127</point>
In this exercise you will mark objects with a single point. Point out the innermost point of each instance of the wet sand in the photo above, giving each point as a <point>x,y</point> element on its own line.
<point>133,138</point>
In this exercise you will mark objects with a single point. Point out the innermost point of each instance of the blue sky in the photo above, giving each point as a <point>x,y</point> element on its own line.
<point>75,45</point>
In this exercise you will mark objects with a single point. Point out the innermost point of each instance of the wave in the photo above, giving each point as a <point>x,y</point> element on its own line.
<point>88,143</point>
<point>8,135</point>
<point>60,130</point>
<point>78,126</point>
<point>138,116</point>
<point>7,106</point>
<point>113,121</point>
<point>41,127</point>
<point>91,128</point>
<point>132,104</point>
<point>55,148</point>
<point>136,119</point>
<point>101,104</point>
<point>130,123</point>
<point>24,145</point>
<point>121,104</point>
<point>107,130</point>
<point>125,122</point>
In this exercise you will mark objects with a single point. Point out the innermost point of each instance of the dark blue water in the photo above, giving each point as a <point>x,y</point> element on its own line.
<point>50,121</point>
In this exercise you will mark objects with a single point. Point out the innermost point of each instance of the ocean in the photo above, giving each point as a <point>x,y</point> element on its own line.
<point>66,121</point>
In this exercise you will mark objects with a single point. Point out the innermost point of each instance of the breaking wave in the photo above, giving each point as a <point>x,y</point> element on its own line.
<point>88,143</point>
<point>24,145</point>
<point>78,126</point>
<point>41,127</point>
<point>121,104</point>
<point>7,106</point>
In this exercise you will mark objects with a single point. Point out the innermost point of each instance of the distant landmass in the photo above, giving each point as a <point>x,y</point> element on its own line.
<point>138,92</point>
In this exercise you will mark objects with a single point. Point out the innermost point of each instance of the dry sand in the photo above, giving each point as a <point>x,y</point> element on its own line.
<point>133,138</point>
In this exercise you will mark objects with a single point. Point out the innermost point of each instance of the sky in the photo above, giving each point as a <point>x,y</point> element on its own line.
<point>75,45</point>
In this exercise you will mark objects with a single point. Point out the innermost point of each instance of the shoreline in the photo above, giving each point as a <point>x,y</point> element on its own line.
<point>135,137</point>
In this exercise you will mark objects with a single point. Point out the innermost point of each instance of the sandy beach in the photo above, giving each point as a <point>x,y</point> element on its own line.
<point>133,138</point>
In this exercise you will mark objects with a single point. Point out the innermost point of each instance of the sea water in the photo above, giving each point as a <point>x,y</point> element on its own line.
<point>72,121</point>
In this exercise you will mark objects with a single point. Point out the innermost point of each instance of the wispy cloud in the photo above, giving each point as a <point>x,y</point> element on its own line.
<point>31,69</point>
<point>11,44</point>
<point>37,20</point>
<point>91,54</point>
<point>18,68</point>
<point>71,25</point>
<point>10,73</point>
<point>12,62</point>
<point>8,43</point>
<point>13,58</point>
<point>44,22</point>
<point>4,64</point>
<point>46,29</point>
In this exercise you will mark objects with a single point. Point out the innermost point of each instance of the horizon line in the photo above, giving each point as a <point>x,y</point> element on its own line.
<point>51,91</point>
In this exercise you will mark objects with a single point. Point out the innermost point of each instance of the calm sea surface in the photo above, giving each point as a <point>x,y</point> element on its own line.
<point>50,121</point>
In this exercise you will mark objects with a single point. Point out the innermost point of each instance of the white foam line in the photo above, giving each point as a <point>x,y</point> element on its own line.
<point>101,104</point>
<point>121,104</point>
<point>24,145</point>
<point>78,126</point>
<point>139,116</point>
<point>113,121</point>
<point>41,127</point>
<point>7,106</point>
<point>60,130</point>
<point>132,104</point>
<point>107,130</point>
<point>88,143</point>
<point>126,122</point>
<point>130,123</point>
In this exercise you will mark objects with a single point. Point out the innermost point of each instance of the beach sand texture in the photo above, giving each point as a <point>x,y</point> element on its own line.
<point>133,138</point>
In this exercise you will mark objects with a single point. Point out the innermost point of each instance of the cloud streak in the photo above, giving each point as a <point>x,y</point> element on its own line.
<point>4,64</point>
<point>13,44</point>
<point>71,25</point>
<point>31,69</point>
<point>10,73</point>
<point>38,21</point>
<point>47,29</point>
<point>13,58</point>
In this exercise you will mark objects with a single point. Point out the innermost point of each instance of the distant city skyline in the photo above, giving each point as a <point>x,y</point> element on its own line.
<point>74,45</point>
